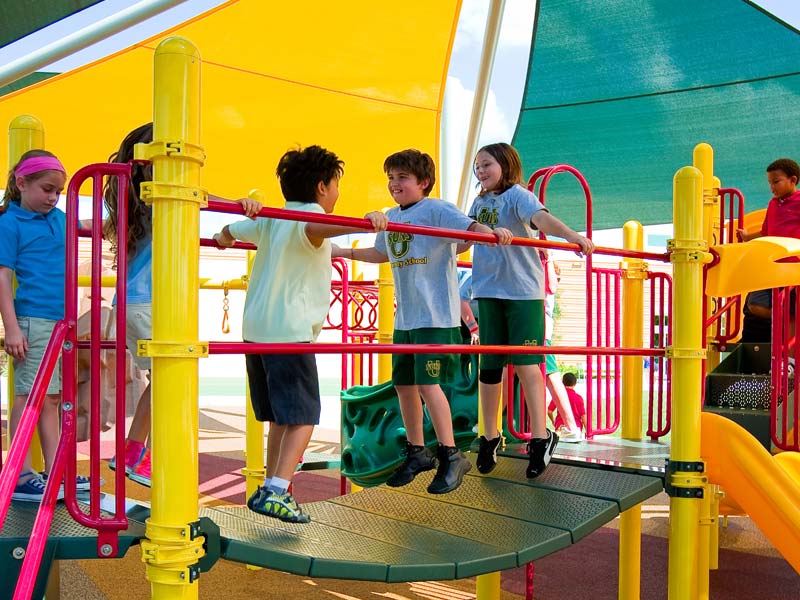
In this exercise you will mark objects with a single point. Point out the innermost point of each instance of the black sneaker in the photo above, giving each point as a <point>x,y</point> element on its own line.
<point>453,465</point>
<point>487,454</point>
<point>418,460</point>
<point>540,451</point>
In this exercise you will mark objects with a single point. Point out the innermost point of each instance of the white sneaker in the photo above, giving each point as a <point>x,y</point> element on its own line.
<point>571,436</point>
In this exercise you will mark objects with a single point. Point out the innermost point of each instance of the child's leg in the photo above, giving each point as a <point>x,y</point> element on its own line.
<point>140,425</point>
<point>490,394</point>
<point>439,411</point>
<point>13,423</point>
<point>530,377</point>
<point>49,429</point>
<point>411,410</point>
<point>294,441</point>
<point>274,441</point>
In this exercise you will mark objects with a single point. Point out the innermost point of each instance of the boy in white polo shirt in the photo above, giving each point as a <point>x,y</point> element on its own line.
<point>288,298</point>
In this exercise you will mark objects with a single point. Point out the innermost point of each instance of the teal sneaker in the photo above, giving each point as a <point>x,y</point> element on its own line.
<point>279,506</point>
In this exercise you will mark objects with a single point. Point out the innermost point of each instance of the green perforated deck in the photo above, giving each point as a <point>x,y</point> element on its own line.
<point>488,524</point>
<point>67,540</point>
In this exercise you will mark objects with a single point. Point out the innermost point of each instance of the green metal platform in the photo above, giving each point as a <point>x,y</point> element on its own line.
<point>67,540</point>
<point>490,523</point>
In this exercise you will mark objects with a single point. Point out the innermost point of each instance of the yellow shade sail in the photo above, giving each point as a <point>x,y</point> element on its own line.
<point>363,79</point>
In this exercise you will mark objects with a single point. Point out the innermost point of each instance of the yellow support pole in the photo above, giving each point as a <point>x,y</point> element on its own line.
<point>487,587</point>
<point>254,470</point>
<point>630,522</point>
<point>685,482</point>
<point>385,319</point>
<point>703,159</point>
<point>171,550</point>
<point>25,132</point>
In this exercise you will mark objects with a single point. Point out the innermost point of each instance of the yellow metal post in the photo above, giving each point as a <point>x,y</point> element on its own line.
<point>254,470</point>
<point>25,132</point>
<point>171,551</point>
<point>630,525</point>
<point>385,319</point>
<point>487,587</point>
<point>685,481</point>
<point>703,159</point>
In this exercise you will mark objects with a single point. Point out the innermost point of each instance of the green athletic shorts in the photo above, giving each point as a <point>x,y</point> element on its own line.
<point>550,364</point>
<point>510,323</point>
<point>425,369</point>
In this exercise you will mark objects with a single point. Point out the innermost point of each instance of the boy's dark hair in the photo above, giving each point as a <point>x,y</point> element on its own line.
<point>140,215</point>
<point>569,379</point>
<point>419,164</point>
<point>12,192</point>
<point>787,165</point>
<point>510,164</point>
<point>301,170</point>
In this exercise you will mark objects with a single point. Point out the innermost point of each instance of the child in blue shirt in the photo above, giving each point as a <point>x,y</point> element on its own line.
<point>32,247</point>
<point>428,312</point>
<point>509,285</point>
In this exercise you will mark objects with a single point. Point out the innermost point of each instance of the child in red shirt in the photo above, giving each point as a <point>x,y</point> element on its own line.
<point>575,401</point>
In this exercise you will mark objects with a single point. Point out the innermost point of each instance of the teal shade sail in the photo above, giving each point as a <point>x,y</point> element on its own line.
<point>624,90</point>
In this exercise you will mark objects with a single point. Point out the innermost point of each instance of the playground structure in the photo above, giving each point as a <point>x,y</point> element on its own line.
<point>179,542</point>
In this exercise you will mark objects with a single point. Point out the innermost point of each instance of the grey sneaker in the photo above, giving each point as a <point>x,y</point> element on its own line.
<point>279,506</point>
<point>540,451</point>
<point>418,460</point>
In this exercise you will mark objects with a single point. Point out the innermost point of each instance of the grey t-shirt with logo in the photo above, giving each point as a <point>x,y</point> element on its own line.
<point>507,272</point>
<point>424,267</point>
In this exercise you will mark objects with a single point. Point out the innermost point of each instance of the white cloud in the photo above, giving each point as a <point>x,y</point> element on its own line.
<point>515,30</point>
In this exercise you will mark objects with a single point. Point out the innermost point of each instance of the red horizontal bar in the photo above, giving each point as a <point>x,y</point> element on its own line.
<point>338,348</point>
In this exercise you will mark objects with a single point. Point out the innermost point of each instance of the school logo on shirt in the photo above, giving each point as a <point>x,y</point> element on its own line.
<point>488,216</point>
<point>433,368</point>
<point>399,243</point>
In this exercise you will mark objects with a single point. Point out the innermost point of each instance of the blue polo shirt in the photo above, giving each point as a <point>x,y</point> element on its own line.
<point>32,245</point>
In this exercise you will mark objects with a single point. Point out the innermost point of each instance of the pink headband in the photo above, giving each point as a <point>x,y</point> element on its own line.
<point>38,163</point>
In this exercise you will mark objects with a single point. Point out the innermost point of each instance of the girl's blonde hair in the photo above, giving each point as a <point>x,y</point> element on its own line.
<point>510,165</point>
<point>140,218</point>
<point>12,193</point>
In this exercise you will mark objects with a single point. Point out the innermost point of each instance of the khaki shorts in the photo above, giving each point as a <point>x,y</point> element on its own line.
<point>138,326</point>
<point>37,332</point>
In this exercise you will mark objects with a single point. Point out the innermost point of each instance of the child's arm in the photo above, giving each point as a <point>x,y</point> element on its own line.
<point>251,207</point>
<point>370,255</point>
<point>503,235</point>
<point>16,344</point>
<point>318,232</point>
<point>746,237</point>
<point>469,320</point>
<point>224,238</point>
<point>547,223</point>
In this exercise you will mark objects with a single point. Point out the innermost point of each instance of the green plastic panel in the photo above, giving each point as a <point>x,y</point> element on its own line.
<point>624,91</point>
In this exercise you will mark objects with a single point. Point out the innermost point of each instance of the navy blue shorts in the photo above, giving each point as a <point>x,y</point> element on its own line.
<point>284,388</point>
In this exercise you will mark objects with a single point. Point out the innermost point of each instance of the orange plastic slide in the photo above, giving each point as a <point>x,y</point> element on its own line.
<point>767,487</point>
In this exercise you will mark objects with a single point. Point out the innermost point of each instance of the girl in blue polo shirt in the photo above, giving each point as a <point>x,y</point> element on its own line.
<point>32,248</point>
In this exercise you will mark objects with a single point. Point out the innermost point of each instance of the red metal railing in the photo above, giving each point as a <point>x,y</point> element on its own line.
<point>785,401</point>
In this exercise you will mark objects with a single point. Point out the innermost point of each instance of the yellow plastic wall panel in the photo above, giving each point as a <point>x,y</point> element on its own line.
<point>362,78</point>
<point>757,258</point>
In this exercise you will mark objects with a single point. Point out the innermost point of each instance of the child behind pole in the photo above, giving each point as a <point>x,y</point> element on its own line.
<point>32,247</point>
<point>287,301</point>
<point>428,312</point>
<point>509,285</point>
<point>576,403</point>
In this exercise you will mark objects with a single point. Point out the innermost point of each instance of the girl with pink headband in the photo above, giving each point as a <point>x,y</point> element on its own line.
<point>32,249</point>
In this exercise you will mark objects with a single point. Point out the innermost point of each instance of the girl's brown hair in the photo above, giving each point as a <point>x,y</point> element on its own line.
<point>140,217</point>
<point>12,193</point>
<point>510,165</point>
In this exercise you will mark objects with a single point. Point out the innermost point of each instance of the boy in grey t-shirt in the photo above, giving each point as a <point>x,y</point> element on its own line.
<point>426,289</point>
